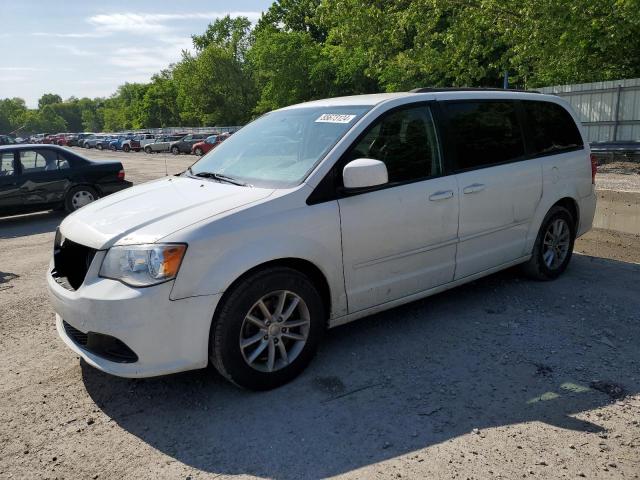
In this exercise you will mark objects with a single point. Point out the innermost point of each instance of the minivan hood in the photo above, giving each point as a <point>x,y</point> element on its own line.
<point>148,212</point>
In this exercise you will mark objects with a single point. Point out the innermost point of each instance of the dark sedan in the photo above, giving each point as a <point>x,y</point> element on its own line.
<point>184,144</point>
<point>46,177</point>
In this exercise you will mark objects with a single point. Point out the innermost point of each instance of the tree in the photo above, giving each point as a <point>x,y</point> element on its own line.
<point>213,88</point>
<point>48,99</point>
<point>294,16</point>
<point>160,104</point>
<point>227,33</point>
<point>289,68</point>
<point>12,112</point>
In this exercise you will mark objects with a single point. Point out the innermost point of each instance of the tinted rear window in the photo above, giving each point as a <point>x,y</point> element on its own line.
<point>485,133</point>
<point>551,128</point>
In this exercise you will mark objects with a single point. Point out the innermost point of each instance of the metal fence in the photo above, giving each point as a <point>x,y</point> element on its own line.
<point>609,111</point>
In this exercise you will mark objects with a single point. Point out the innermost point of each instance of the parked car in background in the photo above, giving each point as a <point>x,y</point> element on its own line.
<point>105,142</point>
<point>7,140</point>
<point>49,139</point>
<point>185,143</point>
<point>117,142</point>
<point>162,143</point>
<point>61,139</point>
<point>81,137</point>
<point>90,141</point>
<point>209,143</point>
<point>39,177</point>
<point>357,205</point>
<point>137,142</point>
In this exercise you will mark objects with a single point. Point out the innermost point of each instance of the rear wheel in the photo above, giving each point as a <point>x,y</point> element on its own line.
<point>99,146</point>
<point>78,197</point>
<point>267,329</point>
<point>198,152</point>
<point>554,245</point>
<point>125,148</point>
<point>147,149</point>
<point>175,150</point>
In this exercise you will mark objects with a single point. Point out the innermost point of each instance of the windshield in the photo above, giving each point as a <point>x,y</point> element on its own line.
<point>280,148</point>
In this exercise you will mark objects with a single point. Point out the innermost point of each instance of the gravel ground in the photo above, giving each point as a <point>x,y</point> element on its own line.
<point>619,176</point>
<point>500,378</point>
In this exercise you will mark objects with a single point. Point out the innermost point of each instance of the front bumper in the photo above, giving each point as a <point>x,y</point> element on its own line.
<point>166,335</point>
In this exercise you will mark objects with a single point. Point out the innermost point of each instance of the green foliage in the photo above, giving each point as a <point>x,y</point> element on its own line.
<point>289,68</point>
<point>306,49</point>
<point>48,99</point>
<point>12,112</point>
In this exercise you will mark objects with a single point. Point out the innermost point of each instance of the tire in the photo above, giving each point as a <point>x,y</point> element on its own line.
<point>230,326</point>
<point>547,261</point>
<point>78,197</point>
<point>126,148</point>
<point>198,151</point>
<point>147,150</point>
<point>175,150</point>
<point>99,146</point>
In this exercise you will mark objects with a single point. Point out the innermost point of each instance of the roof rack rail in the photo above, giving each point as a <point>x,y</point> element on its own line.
<point>468,89</point>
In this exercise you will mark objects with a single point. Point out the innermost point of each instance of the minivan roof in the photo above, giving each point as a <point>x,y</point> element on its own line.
<point>427,93</point>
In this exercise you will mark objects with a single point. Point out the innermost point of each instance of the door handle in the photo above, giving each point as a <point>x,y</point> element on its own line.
<point>474,188</point>
<point>434,197</point>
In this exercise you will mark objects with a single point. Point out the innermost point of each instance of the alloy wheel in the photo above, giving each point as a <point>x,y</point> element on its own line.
<point>556,243</point>
<point>274,331</point>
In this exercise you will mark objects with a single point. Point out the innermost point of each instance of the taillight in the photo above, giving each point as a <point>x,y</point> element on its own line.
<point>594,169</point>
<point>121,175</point>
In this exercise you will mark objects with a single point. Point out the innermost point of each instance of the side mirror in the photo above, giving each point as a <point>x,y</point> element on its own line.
<point>363,173</point>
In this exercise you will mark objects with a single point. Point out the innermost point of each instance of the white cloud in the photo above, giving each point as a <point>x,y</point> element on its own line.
<point>71,35</point>
<point>18,69</point>
<point>139,23</point>
<point>78,52</point>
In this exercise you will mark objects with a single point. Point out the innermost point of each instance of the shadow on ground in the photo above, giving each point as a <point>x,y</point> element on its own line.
<point>32,224</point>
<point>499,351</point>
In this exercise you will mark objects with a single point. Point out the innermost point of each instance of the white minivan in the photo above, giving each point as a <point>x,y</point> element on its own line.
<point>313,216</point>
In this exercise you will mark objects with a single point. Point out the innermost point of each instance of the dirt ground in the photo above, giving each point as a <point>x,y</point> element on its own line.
<point>501,378</point>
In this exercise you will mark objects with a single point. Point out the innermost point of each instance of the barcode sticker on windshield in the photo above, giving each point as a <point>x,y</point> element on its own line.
<point>335,118</point>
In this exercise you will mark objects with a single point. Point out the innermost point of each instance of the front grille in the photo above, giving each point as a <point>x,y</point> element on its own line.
<point>71,261</point>
<point>105,346</point>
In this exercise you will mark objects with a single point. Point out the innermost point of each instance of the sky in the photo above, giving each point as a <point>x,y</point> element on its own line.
<point>86,48</point>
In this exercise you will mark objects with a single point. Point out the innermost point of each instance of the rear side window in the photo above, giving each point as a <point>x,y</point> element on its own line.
<point>551,128</point>
<point>6,164</point>
<point>484,133</point>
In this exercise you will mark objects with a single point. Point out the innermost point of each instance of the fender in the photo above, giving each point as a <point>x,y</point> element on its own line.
<point>263,233</point>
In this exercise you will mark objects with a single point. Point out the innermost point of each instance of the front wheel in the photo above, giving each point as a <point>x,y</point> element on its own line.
<point>554,245</point>
<point>99,146</point>
<point>175,150</point>
<point>198,152</point>
<point>267,329</point>
<point>147,149</point>
<point>126,148</point>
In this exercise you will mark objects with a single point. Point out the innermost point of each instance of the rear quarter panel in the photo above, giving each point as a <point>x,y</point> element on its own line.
<point>566,175</point>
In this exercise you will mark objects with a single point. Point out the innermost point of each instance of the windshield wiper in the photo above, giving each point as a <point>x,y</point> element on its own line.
<point>220,177</point>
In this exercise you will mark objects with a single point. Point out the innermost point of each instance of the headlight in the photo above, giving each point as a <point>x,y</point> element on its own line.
<point>143,265</point>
